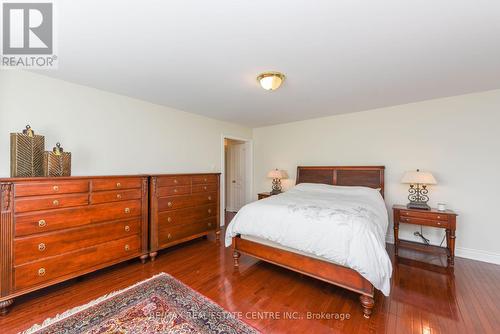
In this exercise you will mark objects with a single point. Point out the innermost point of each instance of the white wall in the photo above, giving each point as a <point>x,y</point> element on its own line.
<point>457,139</point>
<point>108,133</point>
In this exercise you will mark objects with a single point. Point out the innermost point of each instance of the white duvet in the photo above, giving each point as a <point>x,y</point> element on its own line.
<point>345,225</point>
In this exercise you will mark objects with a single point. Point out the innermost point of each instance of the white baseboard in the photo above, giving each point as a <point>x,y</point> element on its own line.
<point>479,255</point>
<point>467,253</point>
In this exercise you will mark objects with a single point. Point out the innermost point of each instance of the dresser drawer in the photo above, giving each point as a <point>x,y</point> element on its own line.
<point>179,202</point>
<point>169,234</point>
<point>35,273</point>
<point>202,179</point>
<point>116,184</point>
<point>424,215</point>
<point>51,188</point>
<point>201,188</point>
<point>168,181</point>
<point>45,245</point>
<point>50,202</point>
<point>421,221</point>
<point>115,196</point>
<point>186,216</point>
<point>174,191</point>
<point>115,211</point>
<point>41,222</point>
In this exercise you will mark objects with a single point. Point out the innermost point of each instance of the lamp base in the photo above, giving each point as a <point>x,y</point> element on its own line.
<point>276,187</point>
<point>418,206</point>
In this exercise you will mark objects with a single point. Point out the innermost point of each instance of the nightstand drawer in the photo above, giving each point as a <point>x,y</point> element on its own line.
<point>425,215</point>
<point>426,222</point>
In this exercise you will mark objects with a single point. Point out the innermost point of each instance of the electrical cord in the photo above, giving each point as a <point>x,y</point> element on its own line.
<point>424,239</point>
<point>427,241</point>
<point>444,237</point>
<point>420,234</point>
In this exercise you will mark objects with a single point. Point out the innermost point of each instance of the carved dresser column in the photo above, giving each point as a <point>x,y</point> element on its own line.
<point>145,214</point>
<point>6,237</point>
<point>153,217</point>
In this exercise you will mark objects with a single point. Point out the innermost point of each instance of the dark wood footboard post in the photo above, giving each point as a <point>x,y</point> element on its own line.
<point>367,304</point>
<point>4,306</point>
<point>236,258</point>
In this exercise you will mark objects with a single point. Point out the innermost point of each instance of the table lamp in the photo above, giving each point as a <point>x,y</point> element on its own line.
<point>277,175</point>
<point>418,182</point>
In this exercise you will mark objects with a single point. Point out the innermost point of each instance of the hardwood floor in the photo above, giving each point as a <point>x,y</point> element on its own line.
<point>421,301</point>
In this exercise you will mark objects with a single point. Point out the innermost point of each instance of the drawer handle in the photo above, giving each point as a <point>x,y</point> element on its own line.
<point>175,190</point>
<point>209,210</point>
<point>205,188</point>
<point>209,224</point>
<point>55,188</point>
<point>127,228</point>
<point>209,198</point>
<point>41,247</point>
<point>205,180</point>
<point>118,185</point>
<point>175,181</point>
<point>439,223</point>
<point>42,223</point>
<point>407,213</point>
<point>439,217</point>
<point>127,210</point>
<point>169,236</point>
<point>55,202</point>
<point>169,204</point>
<point>41,272</point>
<point>169,219</point>
<point>119,196</point>
<point>127,248</point>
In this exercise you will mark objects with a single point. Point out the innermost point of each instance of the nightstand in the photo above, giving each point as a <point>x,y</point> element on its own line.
<point>434,218</point>
<point>263,195</point>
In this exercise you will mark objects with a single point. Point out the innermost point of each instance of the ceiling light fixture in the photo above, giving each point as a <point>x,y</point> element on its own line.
<point>271,80</point>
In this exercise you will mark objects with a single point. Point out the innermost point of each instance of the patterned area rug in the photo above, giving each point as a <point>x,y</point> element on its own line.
<point>160,304</point>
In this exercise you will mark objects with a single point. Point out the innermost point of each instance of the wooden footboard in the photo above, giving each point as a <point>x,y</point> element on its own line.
<point>326,271</point>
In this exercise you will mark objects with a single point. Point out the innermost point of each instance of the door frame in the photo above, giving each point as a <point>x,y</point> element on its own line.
<point>249,174</point>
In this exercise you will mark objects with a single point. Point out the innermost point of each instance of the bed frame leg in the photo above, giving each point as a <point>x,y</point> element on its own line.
<point>367,304</point>
<point>4,306</point>
<point>236,258</point>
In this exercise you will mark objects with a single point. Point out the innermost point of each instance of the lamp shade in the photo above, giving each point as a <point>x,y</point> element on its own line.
<point>277,174</point>
<point>418,177</point>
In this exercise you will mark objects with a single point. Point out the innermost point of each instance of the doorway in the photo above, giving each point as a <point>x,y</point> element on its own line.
<point>236,175</point>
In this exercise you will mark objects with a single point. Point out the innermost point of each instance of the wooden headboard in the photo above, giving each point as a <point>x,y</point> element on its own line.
<point>366,176</point>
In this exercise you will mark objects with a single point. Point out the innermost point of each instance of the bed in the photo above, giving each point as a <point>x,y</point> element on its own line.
<point>335,234</point>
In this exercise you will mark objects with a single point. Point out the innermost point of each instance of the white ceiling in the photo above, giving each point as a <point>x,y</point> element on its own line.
<point>339,56</point>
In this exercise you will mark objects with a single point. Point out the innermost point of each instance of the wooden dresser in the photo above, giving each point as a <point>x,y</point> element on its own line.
<point>54,229</point>
<point>183,207</point>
